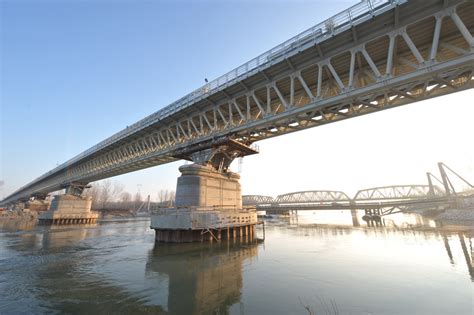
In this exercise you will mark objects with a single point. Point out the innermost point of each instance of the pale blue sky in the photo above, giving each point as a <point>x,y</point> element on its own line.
<point>74,72</point>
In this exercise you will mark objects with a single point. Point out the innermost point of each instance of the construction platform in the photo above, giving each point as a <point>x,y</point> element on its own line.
<point>199,224</point>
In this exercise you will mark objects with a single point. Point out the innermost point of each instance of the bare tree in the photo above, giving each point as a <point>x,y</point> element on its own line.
<point>166,197</point>
<point>106,193</point>
<point>110,191</point>
<point>94,192</point>
<point>162,195</point>
<point>172,197</point>
<point>117,190</point>
<point>125,200</point>
<point>125,197</point>
<point>137,200</point>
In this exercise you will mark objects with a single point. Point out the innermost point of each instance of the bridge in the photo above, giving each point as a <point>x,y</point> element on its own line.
<point>388,197</point>
<point>376,55</point>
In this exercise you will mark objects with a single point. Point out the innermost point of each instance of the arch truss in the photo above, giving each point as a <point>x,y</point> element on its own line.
<point>255,200</point>
<point>402,192</point>
<point>313,196</point>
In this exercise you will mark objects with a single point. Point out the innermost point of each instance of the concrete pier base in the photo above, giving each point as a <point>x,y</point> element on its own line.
<point>69,209</point>
<point>205,235</point>
<point>208,208</point>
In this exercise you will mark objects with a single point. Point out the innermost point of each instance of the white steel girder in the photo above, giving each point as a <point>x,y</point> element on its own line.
<point>427,54</point>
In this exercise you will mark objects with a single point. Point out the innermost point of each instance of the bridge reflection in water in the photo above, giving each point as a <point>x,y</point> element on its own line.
<point>465,241</point>
<point>203,278</point>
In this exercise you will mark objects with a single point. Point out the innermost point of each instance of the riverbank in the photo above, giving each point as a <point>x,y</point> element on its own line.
<point>461,215</point>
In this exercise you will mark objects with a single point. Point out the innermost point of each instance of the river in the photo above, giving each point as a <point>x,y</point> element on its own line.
<point>313,263</point>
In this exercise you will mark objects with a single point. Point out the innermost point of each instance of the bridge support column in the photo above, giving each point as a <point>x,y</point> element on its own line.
<point>70,208</point>
<point>37,203</point>
<point>208,199</point>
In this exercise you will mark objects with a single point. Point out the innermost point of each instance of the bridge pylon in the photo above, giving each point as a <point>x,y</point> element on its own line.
<point>208,202</point>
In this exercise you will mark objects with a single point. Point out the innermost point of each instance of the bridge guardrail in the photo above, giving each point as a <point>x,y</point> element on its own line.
<point>330,27</point>
<point>224,208</point>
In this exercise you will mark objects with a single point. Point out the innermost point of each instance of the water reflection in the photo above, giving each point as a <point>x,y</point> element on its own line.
<point>468,255</point>
<point>357,218</point>
<point>465,242</point>
<point>203,278</point>
<point>411,265</point>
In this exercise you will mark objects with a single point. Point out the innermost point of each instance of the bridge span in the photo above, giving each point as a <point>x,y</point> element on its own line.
<point>388,197</point>
<point>376,55</point>
<point>384,199</point>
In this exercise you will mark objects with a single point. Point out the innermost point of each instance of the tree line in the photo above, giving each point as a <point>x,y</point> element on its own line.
<point>112,195</point>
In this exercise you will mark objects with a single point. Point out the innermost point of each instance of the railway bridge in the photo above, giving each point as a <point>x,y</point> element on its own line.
<point>375,55</point>
<point>387,199</point>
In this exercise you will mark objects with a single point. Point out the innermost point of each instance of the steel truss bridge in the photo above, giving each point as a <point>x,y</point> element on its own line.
<point>376,55</point>
<point>388,197</point>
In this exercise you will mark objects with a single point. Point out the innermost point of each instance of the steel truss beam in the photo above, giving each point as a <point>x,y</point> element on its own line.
<point>316,196</point>
<point>253,200</point>
<point>403,192</point>
<point>320,197</point>
<point>414,59</point>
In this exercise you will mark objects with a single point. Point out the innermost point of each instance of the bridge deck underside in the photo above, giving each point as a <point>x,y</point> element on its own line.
<point>416,51</point>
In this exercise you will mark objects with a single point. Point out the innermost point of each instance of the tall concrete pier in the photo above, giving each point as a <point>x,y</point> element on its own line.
<point>208,200</point>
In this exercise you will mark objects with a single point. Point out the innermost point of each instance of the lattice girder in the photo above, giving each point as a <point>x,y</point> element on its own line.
<point>411,55</point>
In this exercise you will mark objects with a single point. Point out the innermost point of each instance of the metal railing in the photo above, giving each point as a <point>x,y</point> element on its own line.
<point>212,217</point>
<point>338,23</point>
<point>201,209</point>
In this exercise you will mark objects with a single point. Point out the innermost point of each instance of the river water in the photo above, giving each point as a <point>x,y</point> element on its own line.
<point>314,263</point>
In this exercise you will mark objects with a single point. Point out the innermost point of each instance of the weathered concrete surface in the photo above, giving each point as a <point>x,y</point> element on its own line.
<point>38,205</point>
<point>246,232</point>
<point>201,218</point>
<point>69,209</point>
<point>208,207</point>
<point>202,186</point>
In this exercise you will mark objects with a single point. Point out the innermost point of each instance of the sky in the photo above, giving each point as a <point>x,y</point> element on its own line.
<point>74,72</point>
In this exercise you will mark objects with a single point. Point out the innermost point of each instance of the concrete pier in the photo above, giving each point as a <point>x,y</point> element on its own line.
<point>69,209</point>
<point>208,208</point>
<point>205,235</point>
<point>38,205</point>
